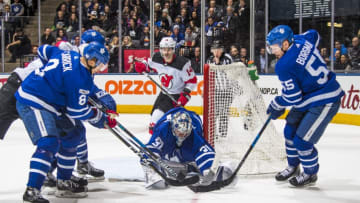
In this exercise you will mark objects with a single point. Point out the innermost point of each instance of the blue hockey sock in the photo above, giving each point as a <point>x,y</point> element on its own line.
<point>291,152</point>
<point>82,152</point>
<point>65,162</point>
<point>308,155</point>
<point>40,165</point>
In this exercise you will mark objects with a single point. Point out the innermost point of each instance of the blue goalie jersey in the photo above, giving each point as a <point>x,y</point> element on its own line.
<point>304,76</point>
<point>193,149</point>
<point>62,85</point>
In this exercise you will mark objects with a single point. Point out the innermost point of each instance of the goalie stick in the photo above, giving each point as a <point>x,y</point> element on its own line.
<point>180,179</point>
<point>216,185</point>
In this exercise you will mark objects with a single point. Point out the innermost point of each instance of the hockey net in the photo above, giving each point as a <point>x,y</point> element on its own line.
<point>234,112</point>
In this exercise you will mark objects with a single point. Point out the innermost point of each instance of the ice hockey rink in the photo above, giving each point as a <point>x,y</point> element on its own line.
<point>339,151</point>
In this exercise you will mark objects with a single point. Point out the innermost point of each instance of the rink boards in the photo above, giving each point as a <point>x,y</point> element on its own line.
<point>136,93</point>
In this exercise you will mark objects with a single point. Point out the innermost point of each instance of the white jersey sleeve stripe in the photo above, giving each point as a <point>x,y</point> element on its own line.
<point>320,97</point>
<point>38,101</point>
<point>292,95</point>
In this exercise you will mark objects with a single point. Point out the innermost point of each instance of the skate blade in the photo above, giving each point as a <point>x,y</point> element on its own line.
<point>48,190</point>
<point>68,194</point>
<point>92,179</point>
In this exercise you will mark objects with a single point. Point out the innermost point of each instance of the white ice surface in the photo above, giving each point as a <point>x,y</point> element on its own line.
<point>339,151</point>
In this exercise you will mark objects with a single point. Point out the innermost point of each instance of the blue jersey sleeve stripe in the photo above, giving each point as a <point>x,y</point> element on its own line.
<point>38,101</point>
<point>205,154</point>
<point>42,54</point>
<point>329,95</point>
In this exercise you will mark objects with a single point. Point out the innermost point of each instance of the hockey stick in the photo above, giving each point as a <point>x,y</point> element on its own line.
<point>216,185</point>
<point>157,84</point>
<point>180,179</point>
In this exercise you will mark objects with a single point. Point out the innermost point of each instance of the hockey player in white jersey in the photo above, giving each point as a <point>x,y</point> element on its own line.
<point>178,140</point>
<point>176,76</point>
<point>50,101</point>
<point>313,93</point>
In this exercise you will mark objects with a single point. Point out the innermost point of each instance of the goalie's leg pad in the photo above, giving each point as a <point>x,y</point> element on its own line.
<point>153,180</point>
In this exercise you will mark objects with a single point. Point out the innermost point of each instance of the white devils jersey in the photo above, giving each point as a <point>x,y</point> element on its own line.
<point>176,76</point>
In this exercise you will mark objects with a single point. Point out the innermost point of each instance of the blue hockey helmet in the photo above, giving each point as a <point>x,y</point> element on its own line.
<point>181,126</point>
<point>92,36</point>
<point>97,51</point>
<point>278,35</point>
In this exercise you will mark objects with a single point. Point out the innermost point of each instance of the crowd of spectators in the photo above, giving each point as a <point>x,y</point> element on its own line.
<point>226,21</point>
<point>15,15</point>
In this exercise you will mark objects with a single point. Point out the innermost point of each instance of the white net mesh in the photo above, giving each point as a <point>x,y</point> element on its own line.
<point>234,115</point>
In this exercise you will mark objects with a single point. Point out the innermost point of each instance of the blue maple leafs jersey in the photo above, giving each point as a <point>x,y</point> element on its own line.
<point>304,76</point>
<point>193,149</point>
<point>62,85</point>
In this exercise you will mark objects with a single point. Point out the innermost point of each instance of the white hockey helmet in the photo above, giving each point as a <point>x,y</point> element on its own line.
<point>167,42</point>
<point>181,126</point>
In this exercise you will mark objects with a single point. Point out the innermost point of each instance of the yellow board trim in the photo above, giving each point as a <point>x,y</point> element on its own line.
<point>340,118</point>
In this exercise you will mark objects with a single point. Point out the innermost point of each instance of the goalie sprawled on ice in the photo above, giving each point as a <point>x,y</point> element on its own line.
<point>178,139</point>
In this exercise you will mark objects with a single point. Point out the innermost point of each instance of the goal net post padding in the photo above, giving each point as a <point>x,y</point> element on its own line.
<point>234,112</point>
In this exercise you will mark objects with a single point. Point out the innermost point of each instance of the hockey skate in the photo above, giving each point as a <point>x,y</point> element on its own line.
<point>50,180</point>
<point>79,180</point>
<point>70,189</point>
<point>287,173</point>
<point>33,195</point>
<point>303,180</point>
<point>91,173</point>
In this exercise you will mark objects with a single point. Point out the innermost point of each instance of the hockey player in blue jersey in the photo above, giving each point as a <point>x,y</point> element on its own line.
<point>50,101</point>
<point>313,94</point>
<point>178,140</point>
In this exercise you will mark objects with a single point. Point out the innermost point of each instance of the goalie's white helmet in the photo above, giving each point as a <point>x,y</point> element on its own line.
<point>181,126</point>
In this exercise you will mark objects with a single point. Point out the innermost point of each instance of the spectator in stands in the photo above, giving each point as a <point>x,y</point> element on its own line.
<point>133,30</point>
<point>341,47</point>
<point>234,53</point>
<point>190,37</point>
<point>184,16</point>
<point>158,34</point>
<point>216,9</point>
<point>157,9</point>
<point>196,7</point>
<point>145,38</point>
<point>194,27</point>
<point>243,24</point>
<point>196,18</point>
<point>73,9</point>
<point>354,53</point>
<point>243,56</point>
<point>127,43</point>
<point>34,49</point>
<point>17,9</point>
<point>219,33</point>
<point>179,23</point>
<point>260,61</point>
<point>196,60</point>
<point>20,45</point>
<point>47,37</point>
<point>209,30</point>
<point>325,55</point>
<point>231,25</point>
<point>178,37</point>
<point>337,56</point>
<point>73,23</point>
<point>343,63</point>
<point>60,21</point>
<point>166,18</point>
<point>67,3</point>
<point>75,41</point>
<point>9,23</point>
<point>62,34</point>
<point>2,4</point>
<point>62,7</point>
